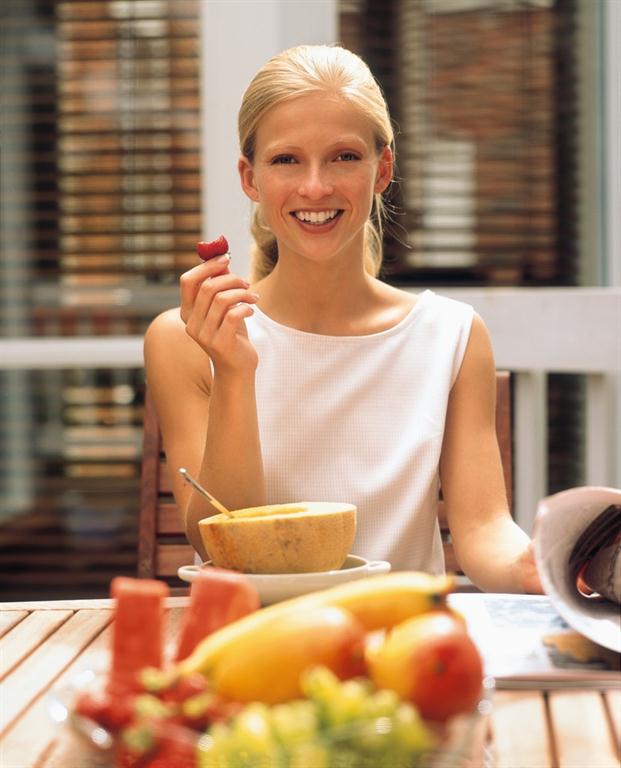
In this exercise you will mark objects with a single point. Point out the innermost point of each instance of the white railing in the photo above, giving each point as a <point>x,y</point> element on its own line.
<point>556,330</point>
<point>534,332</point>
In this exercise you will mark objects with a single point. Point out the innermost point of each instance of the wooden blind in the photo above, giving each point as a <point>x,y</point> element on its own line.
<point>482,95</point>
<point>100,213</point>
<point>100,160</point>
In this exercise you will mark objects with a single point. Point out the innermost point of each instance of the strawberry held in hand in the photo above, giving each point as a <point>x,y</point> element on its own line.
<point>207,250</point>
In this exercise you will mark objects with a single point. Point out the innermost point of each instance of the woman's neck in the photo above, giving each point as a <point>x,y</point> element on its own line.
<point>329,300</point>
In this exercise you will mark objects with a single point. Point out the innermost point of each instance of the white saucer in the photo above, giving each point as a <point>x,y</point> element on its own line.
<point>273,587</point>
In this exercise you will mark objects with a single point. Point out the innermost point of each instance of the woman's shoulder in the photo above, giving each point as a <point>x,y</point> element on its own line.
<point>167,345</point>
<point>165,329</point>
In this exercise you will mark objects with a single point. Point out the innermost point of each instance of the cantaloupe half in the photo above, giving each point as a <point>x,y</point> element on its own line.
<point>302,537</point>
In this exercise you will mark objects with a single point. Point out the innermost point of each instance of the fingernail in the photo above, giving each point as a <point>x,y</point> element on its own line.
<point>254,295</point>
<point>223,259</point>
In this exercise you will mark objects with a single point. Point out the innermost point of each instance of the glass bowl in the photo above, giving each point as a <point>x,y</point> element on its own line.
<point>459,744</point>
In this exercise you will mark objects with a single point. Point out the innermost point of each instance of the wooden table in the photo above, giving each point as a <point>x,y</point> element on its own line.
<point>46,644</point>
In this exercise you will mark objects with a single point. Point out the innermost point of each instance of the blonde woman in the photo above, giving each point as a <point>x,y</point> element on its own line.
<point>318,380</point>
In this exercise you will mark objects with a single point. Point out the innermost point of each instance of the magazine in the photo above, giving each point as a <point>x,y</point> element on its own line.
<point>524,640</point>
<point>561,523</point>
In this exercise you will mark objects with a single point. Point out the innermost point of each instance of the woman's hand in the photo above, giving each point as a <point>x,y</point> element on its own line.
<point>214,305</point>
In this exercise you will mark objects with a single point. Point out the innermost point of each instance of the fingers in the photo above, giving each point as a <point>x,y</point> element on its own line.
<point>214,304</point>
<point>191,281</point>
<point>215,301</point>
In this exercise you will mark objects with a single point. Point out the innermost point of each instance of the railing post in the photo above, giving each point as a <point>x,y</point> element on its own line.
<point>531,449</point>
<point>601,422</point>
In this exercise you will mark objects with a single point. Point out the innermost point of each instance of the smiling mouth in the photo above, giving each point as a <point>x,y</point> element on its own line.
<point>317,218</point>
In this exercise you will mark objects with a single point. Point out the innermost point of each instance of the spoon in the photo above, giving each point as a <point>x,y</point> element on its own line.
<point>195,484</point>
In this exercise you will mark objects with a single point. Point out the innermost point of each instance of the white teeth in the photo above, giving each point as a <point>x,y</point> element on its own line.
<point>315,217</point>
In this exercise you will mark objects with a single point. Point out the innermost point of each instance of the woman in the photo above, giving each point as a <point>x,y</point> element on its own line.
<point>319,381</point>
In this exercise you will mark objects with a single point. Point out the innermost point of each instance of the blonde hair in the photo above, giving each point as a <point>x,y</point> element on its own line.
<point>307,69</point>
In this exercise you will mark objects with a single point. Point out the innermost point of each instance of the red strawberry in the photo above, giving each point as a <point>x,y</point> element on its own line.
<point>111,712</point>
<point>176,748</point>
<point>214,248</point>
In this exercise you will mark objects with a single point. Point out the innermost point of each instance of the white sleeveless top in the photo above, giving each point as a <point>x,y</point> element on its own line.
<point>360,419</point>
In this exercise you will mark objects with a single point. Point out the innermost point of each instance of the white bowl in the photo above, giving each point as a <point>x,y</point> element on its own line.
<point>561,518</point>
<point>273,588</point>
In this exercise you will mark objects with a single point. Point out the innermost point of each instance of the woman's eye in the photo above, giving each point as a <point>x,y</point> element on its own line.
<point>283,160</point>
<point>347,156</point>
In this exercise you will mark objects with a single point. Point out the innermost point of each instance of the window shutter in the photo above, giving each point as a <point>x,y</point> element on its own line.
<point>100,213</point>
<point>482,95</point>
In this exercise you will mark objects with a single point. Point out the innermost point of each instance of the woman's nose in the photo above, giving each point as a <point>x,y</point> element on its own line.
<point>316,184</point>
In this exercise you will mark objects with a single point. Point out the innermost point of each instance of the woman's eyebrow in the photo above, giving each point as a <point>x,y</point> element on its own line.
<point>280,148</point>
<point>337,143</point>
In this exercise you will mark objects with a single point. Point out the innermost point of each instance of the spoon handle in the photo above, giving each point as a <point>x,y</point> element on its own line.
<point>195,484</point>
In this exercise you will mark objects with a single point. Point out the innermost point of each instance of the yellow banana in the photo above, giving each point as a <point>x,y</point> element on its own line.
<point>376,602</point>
<point>270,668</point>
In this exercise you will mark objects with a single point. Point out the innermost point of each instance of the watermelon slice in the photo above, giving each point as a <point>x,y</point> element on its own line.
<point>137,630</point>
<point>217,597</point>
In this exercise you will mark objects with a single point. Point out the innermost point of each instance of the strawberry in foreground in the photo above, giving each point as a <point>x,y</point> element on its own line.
<point>208,250</point>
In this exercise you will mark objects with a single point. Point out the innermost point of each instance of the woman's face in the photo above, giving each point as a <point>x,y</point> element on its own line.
<point>316,169</point>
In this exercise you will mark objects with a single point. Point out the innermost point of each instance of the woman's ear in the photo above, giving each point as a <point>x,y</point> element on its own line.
<point>384,170</point>
<point>246,175</point>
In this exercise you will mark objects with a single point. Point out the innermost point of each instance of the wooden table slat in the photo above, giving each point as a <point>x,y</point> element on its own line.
<point>613,703</point>
<point>517,747</point>
<point>44,665</point>
<point>587,740</point>
<point>62,752</point>
<point>74,605</point>
<point>9,618</point>
<point>18,749</point>
<point>55,746</point>
<point>28,635</point>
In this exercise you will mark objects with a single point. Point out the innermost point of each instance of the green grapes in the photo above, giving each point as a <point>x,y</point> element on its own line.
<point>338,725</point>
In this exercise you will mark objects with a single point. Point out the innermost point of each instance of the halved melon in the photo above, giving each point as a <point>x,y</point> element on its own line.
<point>302,537</point>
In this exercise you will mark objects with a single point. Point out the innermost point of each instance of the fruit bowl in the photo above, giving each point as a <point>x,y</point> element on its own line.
<point>393,738</point>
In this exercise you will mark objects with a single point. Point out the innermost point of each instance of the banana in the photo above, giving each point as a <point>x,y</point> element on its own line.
<point>377,602</point>
<point>321,636</point>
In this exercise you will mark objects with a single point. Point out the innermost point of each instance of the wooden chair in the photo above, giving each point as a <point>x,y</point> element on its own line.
<point>162,545</point>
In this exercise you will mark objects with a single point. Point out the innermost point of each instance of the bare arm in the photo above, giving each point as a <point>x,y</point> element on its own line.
<point>491,548</point>
<point>208,419</point>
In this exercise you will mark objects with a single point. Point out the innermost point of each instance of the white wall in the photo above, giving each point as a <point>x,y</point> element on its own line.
<point>239,36</point>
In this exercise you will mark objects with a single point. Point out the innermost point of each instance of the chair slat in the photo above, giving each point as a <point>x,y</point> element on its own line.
<point>169,519</point>
<point>169,557</point>
<point>164,479</point>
